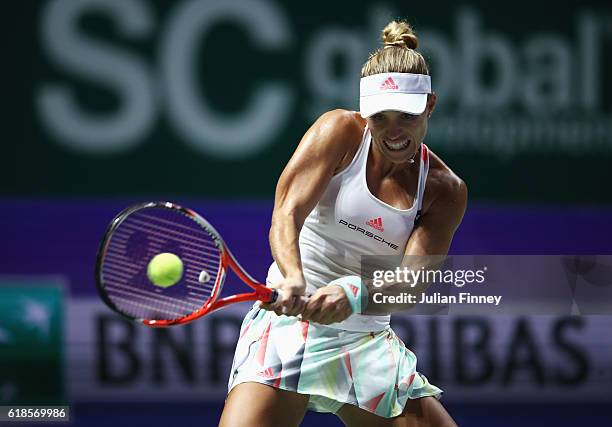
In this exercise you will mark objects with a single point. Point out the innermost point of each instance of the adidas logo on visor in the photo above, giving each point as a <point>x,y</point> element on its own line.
<point>389,83</point>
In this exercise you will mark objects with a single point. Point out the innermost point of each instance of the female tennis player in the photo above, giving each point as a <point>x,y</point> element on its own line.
<point>358,184</point>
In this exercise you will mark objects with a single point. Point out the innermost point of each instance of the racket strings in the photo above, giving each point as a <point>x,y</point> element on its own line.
<point>211,261</point>
<point>136,240</point>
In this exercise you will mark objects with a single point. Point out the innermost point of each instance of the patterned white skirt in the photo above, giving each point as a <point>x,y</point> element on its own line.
<point>372,370</point>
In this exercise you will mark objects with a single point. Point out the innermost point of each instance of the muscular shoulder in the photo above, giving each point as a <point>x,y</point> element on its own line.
<point>445,190</point>
<point>342,131</point>
<point>341,126</point>
<point>328,140</point>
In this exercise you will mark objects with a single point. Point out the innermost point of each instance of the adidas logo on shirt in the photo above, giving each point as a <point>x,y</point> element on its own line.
<point>376,223</point>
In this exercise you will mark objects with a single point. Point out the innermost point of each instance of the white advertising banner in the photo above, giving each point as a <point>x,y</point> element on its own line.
<point>473,358</point>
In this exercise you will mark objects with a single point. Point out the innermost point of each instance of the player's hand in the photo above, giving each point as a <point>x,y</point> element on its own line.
<point>327,305</point>
<point>291,300</point>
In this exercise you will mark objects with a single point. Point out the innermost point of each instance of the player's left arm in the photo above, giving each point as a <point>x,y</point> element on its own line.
<point>429,242</point>
<point>434,231</point>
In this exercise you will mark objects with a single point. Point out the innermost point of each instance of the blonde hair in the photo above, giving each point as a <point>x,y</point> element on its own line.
<point>398,54</point>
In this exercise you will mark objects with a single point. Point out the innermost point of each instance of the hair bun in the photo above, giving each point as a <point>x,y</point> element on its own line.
<point>400,34</point>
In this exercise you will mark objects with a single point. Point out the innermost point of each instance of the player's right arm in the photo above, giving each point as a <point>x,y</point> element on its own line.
<point>325,148</point>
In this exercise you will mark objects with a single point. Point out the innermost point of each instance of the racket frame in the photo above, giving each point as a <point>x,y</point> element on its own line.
<point>227,260</point>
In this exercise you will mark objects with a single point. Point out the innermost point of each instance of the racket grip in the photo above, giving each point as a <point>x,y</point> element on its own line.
<point>275,293</point>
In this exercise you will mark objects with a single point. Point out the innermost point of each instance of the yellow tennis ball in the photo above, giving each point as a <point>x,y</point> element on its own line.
<point>165,269</point>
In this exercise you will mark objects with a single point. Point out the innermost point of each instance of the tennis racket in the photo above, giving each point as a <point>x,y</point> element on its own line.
<point>142,231</point>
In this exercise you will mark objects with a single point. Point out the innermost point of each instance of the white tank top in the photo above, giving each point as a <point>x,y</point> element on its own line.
<point>348,222</point>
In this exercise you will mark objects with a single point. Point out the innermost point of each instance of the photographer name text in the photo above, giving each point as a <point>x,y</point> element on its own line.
<point>436,298</point>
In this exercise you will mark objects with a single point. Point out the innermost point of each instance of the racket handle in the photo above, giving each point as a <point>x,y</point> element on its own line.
<point>273,296</point>
<point>275,293</point>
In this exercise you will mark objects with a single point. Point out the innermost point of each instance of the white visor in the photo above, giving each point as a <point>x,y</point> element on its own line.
<point>404,92</point>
